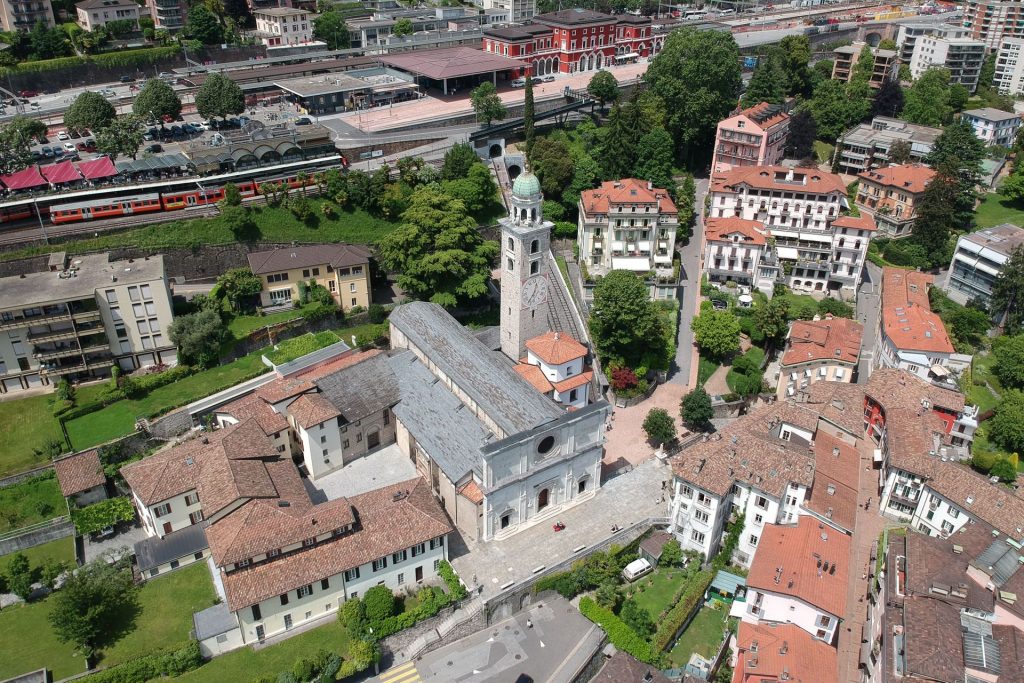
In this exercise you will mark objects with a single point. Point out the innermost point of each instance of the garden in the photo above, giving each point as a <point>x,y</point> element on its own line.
<point>31,501</point>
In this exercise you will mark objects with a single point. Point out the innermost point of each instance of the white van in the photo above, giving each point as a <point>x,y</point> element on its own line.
<point>635,569</point>
<point>726,12</point>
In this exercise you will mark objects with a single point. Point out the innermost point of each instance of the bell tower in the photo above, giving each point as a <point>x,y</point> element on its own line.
<point>525,242</point>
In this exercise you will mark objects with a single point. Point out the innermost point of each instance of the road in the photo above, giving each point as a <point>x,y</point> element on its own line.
<point>868,304</point>
<point>690,275</point>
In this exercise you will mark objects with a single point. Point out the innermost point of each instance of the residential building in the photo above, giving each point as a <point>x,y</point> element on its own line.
<point>629,224</point>
<point>621,667</point>
<point>1009,73</point>
<point>886,64</point>
<point>517,11</point>
<point>892,195</point>
<point>95,13</point>
<point>733,250</point>
<point>866,146</point>
<point>555,365</point>
<point>342,269</point>
<point>990,21</point>
<point>992,126</point>
<point>755,136</point>
<point>963,57</point>
<point>284,26</point>
<point>910,336</point>
<point>573,40</point>
<point>18,15</point>
<point>906,38</point>
<point>82,317</point>
<point>168,14</point>
<point>81,477</point>
<point>820,350</point>
<point>978,262</point>
<point>799,576</point>
<point>780,652</point>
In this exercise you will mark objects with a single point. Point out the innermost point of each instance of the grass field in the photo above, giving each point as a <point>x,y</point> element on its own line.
<point>705,368</point>
<point>823,151</point>
<point>702,636</point>
<point>655,591</point>
<point>63,549</point>
<point>996,209</point>
<point>31,501</point>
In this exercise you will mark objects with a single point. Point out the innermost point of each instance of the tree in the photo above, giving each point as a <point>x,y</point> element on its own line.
<point>47,43</point>
<point>203,25</point>
<point>636,618</point>
<point>617,153</point>
<point>958,152</point>
<point>156,100</point>
<point>120,27</point>
<point>90,110</point>
<point>529,132</point>
<point>553,164</point>
<point>438,250</point>
<point>936,218</point>
<point>586,175</point>
<point>457,162</point>
<point>888,101</point>
<point>659,426</point>
<point>772,319</point>
<point>1006,301</point>
<point>403,27</point>
<point>122,137</point>
<point>927,101</point>
<point>239,284</point>
<point>696,410</point>
<point>475,191</point>
<point>717,333</point>
<point>832,110</point>
<point>1006,427</point>
<point>803,132</point>
<point>608,595</point>
<point>864,67</point>
<point>671,554</point>
<point>330,28</point>
<point>625,324</point>
<point>654,159</point>
<point>379,603</point>
<point>795,56</point>
<point>232,197</point>
<point>219,96</point>
<point>767,83</point>
<point>899,152</point>
<point>835,307</point>
<point>486,103</point>
<point>92,602</point>
<point>967,325</point>
<point>19,576</point>
<point>16,140</point>
<point>1005,470</point>
<point>603,87</point>
<point>198,337</point>
<point>697,76</point>
<point>958,96</point>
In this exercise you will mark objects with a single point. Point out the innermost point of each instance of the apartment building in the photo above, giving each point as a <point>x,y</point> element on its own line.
<point>910,336</point>
<point>993,126</point>
<point>1009,73</point>
<point>906,37</point>
<point>80,318</point>
<point>23,15</point>
<point>892,196</point>
<point>342,269</point>
<point>517,11</point>
<point>732,250</point>
<point>778,652</point>
<point>168,14</point>
<point>990,21</point>
<point>820,350</point>
<point>978,262</point>
<point>755,136</point>
<point>94,13</point>
<point>963,57</point>
<point>866,145</point>
<point>629,224</point>
<point>886,64</point>
<point>284,26</point>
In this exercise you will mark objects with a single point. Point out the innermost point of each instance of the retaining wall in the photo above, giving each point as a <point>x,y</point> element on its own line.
<point>37,535</point>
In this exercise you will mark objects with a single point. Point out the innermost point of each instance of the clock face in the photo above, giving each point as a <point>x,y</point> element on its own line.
<point>535,291</point>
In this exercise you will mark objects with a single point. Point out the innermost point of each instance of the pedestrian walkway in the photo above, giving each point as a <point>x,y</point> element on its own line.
<point>403,673</point>
<point>626,442</point>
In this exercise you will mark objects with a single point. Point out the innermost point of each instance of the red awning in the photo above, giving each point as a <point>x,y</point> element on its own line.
<point>24,179</point>
<point>62,172</point>
<point>101,167</point>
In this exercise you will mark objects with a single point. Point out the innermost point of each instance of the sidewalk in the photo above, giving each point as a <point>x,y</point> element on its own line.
<point>626,441</point>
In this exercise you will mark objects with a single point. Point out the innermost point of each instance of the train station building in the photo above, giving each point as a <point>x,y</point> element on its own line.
<point>330,93</point>
<point>455,69</point>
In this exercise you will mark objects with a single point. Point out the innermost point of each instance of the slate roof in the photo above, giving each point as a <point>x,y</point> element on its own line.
<point>213,621</point>
<point>289,258</point>
<point>293,385</point>
<point>362,389</point>
<point>930,561</point>
<point>154,551</point>
<point>507,399</point>
<point>79,472</point>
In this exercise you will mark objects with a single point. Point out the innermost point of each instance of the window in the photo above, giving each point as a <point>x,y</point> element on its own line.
<point>147,292</point>
<point>303,591</point>
<point>753,540</point>
<point>191,499</point>
<point>309,542</point>
<point>824,621</point>
<point>437,542</point>
<point>305,272</point>
<point>419,549</point>
<point>256,614</point>
<point>353,288</point>
<point>277,277</point>
<point>273,552</point>
<point>697,536</point>
<point>174,564</point>
<point>324,584</point>
<point>703,499</point>
<point>953,512</point>
<point>687,491</point>
<point>546,444</point>
<point>162,510</point>
<point>133,293</point>
<point>387,417</point>
<point>352,575</point>
<point>701,516</point>
<point>506,519</point>
<point>111,296</point>
<point>380,564</point>
<point>401,578</point>
<point>761,502</point>
<point>198,556</point>
<point>400,556</point>
<point>437,563</point>
<point>758,519</point>
<point>323,438</point>
<point>243,563</point>
<point>354,301</point>
<point>345,443</point>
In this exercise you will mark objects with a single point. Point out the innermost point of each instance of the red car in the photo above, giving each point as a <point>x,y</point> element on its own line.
<point>167,118</point>
<point>29,93</point>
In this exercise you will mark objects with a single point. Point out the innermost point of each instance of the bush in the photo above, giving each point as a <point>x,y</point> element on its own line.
<point>377,313</point>
<point>152,666</point>
<point>379,604</point>
<point>103,514</point>
<point>624,379</point>
<point>674,619</point>
<point>621,636</point>
<point>455,588</point>
<point>636,618</point>
<point>304,670</point>
<point>564,230</point>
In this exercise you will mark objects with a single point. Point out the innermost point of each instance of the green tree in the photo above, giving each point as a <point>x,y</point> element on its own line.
<point>654,159</point>
<point>155,100</point>
<point>958,97</point>
<point>529,133</point>
<point>888,100</point>
<point>48,43</point>
<point>1006,302</point>
<point>767,83</point>
<point>659,426</point>
<point>239,284</point>
<point>122,137</point>
<point>608,595</point>
<point>553,164</point>
<point>19,576</point>
<point>1005,470</point>
<point>617,153</point>
<point>203,25</point>
<point>671,554</point>
<point>379,603</point>
<point>120,27</point>
<point>696,410</point>
<point>803,131</point>
<point>90,604</point>
<point>833,112</point>
<point>988,70</point>
<point>330,27</point>
<point>16,140</point>
<point>198,337</point>
<point>936,218</point>
<point>219,96</point>
<point>232,197</point>
<point>717,333</point>
<point>958,152</point>
<point>457,162</point>
<point>864,67</point>
<point>795,57</point>
<point>927,101</point>
<point>624,322</point>
<point>476,190</point>
<point>486,103</point>
<point>697,76</point>
<point>1009,367</point>
<point>1006,427</point>
<point>835,307</point>
<point>637,618</point>
<point>438,250</point>
<point>899,152</point>
<point>772,319</point>
<point>89,110</point>
<point>403,27</point>
<point>603,87</point>
<point>586,175</point>
<point>967,325</point>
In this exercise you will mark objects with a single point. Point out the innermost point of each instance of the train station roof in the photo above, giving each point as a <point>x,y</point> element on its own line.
<point>61,172</point>
<point>24,179</point>
<point>450,62</point>
<point>101,167</point>
<point>155,163</point>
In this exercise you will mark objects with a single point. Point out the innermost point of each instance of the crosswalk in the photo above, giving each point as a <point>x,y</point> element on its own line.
<point>404,673</point>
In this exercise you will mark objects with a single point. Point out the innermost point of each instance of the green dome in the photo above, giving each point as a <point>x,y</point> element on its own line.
<point>526,185</point>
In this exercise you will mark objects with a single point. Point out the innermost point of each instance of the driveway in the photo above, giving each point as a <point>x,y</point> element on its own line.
<point>122,542</point>
<point>685,363</point>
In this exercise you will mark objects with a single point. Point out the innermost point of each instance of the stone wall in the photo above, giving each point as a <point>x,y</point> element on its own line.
<point>388,148</point>
<point>37,535</point>
<point>22,476</point>
<point>427,635</point>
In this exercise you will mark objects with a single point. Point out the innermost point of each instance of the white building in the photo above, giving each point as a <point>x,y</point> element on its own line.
<point>555,365</point>
<point>732,250</point>
<point>963,58</point>
<point>908,34</point>
<point>518,11</point>
<point>283,26</point>
<point>825,350</point>
<point>93,14</point>
<point>993,126</point>
<point>1009,73</point>
<point>978,262</point>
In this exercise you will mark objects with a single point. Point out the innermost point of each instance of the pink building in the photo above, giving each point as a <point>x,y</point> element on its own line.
<point>751,137</point>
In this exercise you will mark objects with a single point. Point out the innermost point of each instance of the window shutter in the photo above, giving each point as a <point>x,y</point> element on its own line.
<point>325,584</point>
<point>284,598</point>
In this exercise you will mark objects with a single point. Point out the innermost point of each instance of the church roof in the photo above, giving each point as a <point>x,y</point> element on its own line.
<point>526,185</point>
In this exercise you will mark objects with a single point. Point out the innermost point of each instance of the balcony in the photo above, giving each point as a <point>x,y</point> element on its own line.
<point>51,336</point>
<point>85,316</point>
<point>50,354</point>
<point>53,316</point>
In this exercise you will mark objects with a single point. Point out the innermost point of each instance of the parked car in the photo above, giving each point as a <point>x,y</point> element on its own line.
<point>63,135</point>
<point>43,140</point>
<point>58,152</point>
<point>29,93</point>
<point>166,74</point>
<point>153,149</point>
<point>547,79</point>
<point>127,79</point>
<point>149,136</point>
<point>35,105</point>
<point>518,83</point>
<point>46,152</point>
<point>719,305</point>
<point>107,92</point>
<point>303,121</point>
<point>69,147</point>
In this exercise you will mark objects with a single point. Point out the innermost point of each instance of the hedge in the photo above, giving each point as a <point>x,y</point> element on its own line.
<point>455,588</point>
<point>120,58</point>
<point>151,666</point>
<point>676,617</point>
<point>621,636</point>
<point>101,515</point>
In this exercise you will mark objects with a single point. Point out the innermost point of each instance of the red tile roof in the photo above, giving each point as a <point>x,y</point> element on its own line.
<point>863,222</point>
<point>836,477</point>
<point>555,348</point>
<point>802,552</point>
<point>719,229</point>
<point>535,376</point>
<point>780,178</point>
<point>289,258</point>
<point>765,115</point>
<point>570,383</point>
<point>769,653</point>
<point>830,339</point>
<point>254,407</point>
<point>910,178</point>
<point>471,491</point>
<point>312,409</point>
<point>626,191</point>
<point>79,472</point>
<point>907,318</point>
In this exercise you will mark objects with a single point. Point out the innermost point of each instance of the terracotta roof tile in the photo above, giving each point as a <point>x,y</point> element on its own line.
<point>766,651</point>
<point>288,258</point>
<point>720,229</point>
<point>79,472</point>
<point>254,407</point>
<point>836,476</point>
<point>570,383</point>
<point>624,668</point>
<point>765,115</point>
<point>933,640</point>
<point>910,178</point>
<point>535,376</point>
<point>775,178</point>
<point>907,318</point>
<point>312,409</point>
<point>865,221</point>
<point>293,385</point>
<point>802,551</point>
<point>555,348</point>
<point>625,191</point>
<point>471,491</point>
<point>831,339</point>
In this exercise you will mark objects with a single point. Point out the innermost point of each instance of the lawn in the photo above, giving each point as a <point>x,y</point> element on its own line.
<point>755,354</point>
<point>705,368</point>
<point>163,623</point>
<point>247,664</point>
<point>563,268</point>
<point>655,591</point>
<point>119,418</point>
<point>239,326</point>
<point>823,151</point>
<point>981,372</point>
<point>289,350</point>
<point>703,636</point>
<point>63,549</point>
<point>31,501</point>
<point>996,209</point>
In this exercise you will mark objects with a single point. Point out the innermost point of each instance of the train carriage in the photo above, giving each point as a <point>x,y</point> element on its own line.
<point>104,208</point>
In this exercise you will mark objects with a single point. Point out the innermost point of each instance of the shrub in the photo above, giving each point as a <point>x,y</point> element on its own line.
<point>377,313</point>
<point>152,666</point>
<point>636,618</point>
<point>103,514</point>
<point>379,603</point>
<point>303,669</point>
<point>674,619</point>
<point>624,379</point>
<point>455,588</point>
<point>621,635</point>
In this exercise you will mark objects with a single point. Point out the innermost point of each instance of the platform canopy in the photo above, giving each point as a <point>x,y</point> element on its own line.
<point>61,172</point>
<point>451,62</point>
<point>24,179</point>
<point>101,167</point>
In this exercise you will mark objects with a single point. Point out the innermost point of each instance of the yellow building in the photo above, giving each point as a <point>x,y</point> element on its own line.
<point>343,269</point>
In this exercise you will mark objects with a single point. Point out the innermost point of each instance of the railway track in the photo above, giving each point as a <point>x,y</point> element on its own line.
<point>28,235</point>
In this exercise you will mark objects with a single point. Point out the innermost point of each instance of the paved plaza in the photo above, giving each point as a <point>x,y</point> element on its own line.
<point>626,499</point>
<point>379,469</point>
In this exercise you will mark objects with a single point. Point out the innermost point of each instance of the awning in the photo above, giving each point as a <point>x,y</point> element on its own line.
<point>637,264</point>
<point>787,253</point>
<point>62,172</point>
<point>939,371</point>
<point>628,55</point>
<point>24,179</point>
<point>101,167</point>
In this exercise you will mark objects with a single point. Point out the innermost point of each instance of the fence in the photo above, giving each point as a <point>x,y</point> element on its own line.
<point>36,534</point>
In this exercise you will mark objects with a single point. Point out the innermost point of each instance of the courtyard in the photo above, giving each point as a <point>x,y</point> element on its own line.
<point>381,468</point>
